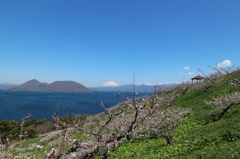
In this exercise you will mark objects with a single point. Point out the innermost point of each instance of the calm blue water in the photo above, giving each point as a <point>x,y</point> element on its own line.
<point>42,105</point>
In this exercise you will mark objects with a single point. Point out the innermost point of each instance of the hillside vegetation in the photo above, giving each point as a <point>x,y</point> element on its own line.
<point>201,135</point>
<point>192,120</point>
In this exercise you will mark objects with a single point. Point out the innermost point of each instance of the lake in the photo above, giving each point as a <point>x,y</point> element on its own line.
<point>42,105</point>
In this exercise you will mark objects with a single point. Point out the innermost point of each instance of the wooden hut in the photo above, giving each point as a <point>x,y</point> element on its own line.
<point>198,78</point>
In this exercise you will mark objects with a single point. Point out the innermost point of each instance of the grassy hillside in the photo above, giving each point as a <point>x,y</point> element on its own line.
<point>199,136</point>
<point>193,120</point>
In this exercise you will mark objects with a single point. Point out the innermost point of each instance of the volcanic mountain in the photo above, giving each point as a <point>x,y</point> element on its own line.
<point>58,86</point>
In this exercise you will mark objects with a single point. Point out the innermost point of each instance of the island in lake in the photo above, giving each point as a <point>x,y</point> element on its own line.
<point>58,86</point>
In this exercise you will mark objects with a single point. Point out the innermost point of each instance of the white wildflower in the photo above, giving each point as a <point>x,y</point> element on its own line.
<point>39,147</point>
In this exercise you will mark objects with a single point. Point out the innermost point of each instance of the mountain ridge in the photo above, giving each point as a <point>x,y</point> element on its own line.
<point>57,86</point>
<point>72,86</point>
<point>139,88</point>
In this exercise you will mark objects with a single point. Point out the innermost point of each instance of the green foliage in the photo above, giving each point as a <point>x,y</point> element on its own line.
<point>9,130</point>
<point>71,119</point>
<point>192,140</point>
<point>44,127</point>
<point>79,136</point>
<point>198,137</point>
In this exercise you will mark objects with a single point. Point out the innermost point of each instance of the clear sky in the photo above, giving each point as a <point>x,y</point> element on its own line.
<point>96,41</point>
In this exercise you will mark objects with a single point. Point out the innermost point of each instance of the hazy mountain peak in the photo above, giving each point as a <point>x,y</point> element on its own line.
<point>139,88</point>
<point>32,81</point>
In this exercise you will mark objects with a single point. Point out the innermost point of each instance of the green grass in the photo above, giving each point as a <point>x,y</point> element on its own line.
<point>198,136</point>
<point>28,147</point>
<point>192,140</point>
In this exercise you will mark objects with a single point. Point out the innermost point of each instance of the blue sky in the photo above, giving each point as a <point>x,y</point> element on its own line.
<point>97,41</point>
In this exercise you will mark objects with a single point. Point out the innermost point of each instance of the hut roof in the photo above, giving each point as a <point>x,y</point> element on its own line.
<point>198,78</point>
